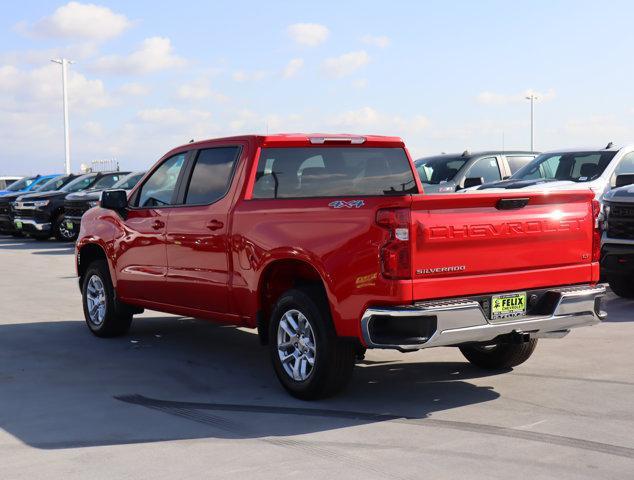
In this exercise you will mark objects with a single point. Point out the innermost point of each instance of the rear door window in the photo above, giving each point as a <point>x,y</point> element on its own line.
<point>518,161</point>
<point>211,175</point>
<point>305,172</point>
<point>486,168</point>
<point>626,165</point>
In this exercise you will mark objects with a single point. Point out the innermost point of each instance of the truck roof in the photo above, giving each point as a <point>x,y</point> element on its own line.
<point>305,139</point>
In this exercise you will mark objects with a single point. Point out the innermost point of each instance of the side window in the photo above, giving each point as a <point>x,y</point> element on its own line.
<point>487,168</point>
<point>158,190</point>
<point>211,175</point>
<point>107,181</point>
<point>518,161</point>
<point>626,164</point>
<point>585,167</point>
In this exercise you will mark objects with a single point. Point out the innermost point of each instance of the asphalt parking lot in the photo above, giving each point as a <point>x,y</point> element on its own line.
<point>181,398</point>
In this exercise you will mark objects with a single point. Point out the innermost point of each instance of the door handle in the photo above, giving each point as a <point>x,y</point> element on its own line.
<point>157,225</point>
<point>215,225</point>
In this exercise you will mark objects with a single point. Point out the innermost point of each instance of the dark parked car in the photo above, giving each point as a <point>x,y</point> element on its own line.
<point>27,184</point>
<point>617,245</point>
<point>41,215</point>
<point>6,212</point>
<point>76,204</point>
<point>449,173</point>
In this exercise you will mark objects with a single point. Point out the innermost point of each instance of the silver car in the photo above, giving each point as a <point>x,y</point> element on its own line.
<point>569,170</point>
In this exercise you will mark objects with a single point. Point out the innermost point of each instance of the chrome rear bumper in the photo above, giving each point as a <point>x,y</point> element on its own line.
<point>459,321</point>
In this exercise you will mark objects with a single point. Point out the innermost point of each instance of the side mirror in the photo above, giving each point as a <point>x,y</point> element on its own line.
<point>473,182</point>
<point>624,179</point>
<point>114,199</point>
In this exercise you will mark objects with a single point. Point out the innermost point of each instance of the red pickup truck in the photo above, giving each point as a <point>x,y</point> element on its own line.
<point>327,244</point>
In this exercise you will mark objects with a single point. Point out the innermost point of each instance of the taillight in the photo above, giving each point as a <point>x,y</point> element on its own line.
<point>597,215</point>
<point>396,261</point>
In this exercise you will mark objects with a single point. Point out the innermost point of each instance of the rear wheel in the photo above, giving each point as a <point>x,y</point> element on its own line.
<point>61,232</point>
<point>500,355</point>
<point>104,314</point>
<point>308,358</point>
<point>622,286</point>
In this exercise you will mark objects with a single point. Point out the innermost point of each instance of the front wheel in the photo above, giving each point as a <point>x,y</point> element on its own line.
<point>105,315</point>
<point>62,232</point>
<point>622,286</point>
<point>309,360</point>
<point>500,355</point>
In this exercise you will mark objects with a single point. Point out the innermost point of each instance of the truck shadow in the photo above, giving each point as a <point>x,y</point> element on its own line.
<point>619,309</point>
<point>179,378</point>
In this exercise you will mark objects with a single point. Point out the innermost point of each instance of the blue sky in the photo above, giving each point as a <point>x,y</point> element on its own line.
<point>445,76</point>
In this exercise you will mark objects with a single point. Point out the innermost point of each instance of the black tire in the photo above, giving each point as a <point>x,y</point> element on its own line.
<point>117,317</point>
<point>500,356</point>
<point>60,231</point>
<point>622,286</point>
<point>334,358</point>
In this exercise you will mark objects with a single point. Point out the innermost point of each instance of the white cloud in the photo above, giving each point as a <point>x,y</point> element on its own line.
<point>243,76</point>
<point>346,64</point>
<point>381,41</point>
<point>134,89</point>
<point>154,54</point>
<point>240,76</point>
<point>41,89</point>
<point>597,128</point>
<point>493,98</point>
<point>79,20</point>
<point>92,128</point>
<point>310,34</point>
<point>292,67</point>
<point>367,118</point>
<point>199,90</point>
<point>76,52</point>
<point>360,83</point>
<point>171,116</point>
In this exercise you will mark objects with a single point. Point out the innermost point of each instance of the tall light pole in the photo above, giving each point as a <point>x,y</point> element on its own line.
<point>532,97</point>
<point>64,62</point>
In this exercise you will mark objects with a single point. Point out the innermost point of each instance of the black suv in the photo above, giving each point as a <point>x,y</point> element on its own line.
<point>6,212</point>
<point>41,215</point>
<point>450,172</point>
<point>617,245</point>
<point>76,204</point>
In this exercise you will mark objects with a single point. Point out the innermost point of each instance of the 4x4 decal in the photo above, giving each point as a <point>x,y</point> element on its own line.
<point>350,204</point>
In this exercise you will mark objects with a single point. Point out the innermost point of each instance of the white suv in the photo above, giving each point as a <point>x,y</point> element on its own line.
<point>569,170</point>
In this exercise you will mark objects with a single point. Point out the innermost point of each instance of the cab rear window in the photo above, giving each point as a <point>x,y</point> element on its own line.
<point>333,172</point>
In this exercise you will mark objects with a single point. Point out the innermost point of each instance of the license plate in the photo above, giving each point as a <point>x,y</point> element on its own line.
<point>508,305</point>
<point>18,225</point>
<point>69,225</point>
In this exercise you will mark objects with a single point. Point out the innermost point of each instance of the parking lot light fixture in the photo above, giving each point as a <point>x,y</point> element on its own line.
<point>64,62</point>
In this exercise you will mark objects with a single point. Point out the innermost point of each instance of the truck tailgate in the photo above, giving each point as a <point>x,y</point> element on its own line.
<point>469,244</point>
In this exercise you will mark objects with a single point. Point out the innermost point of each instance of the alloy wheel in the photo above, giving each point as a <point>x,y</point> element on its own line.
<point>296,345</point>
<point>96,300</point>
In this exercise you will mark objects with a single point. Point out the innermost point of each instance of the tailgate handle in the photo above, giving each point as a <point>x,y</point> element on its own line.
<point>511,203</point>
